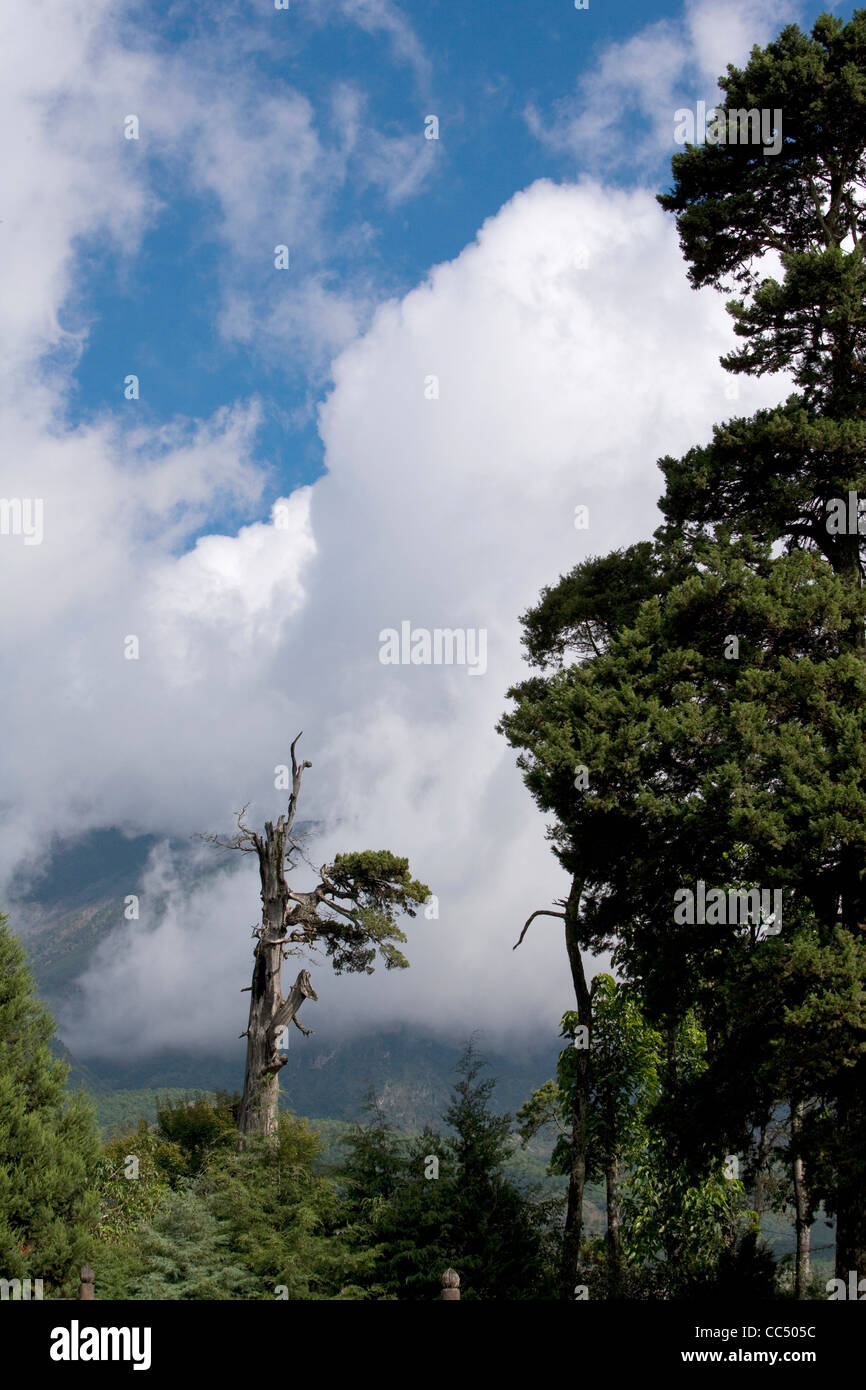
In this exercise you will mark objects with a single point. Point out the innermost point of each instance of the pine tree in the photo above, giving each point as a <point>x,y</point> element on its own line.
<point>283,1221</point>
<point>720,709</point>
<point>49,1144</point>
<point>432,1202</point>
<point>185,1253</point>
<point>497,1231</point>
<point>352,914</point>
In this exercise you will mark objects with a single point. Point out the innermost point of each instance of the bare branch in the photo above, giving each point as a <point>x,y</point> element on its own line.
<point>302,989</point>
<point>540,912</point>
<point>298,848</point>
<point>588,630</point>
<point>245,840</point>
<point>822,221</point>
<point>311,901</point>
<point>297,774</point>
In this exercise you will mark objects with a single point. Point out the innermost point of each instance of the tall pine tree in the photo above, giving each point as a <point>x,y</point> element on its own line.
<point>719,711</point>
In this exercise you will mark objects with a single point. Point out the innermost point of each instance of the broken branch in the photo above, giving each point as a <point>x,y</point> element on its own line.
<point>540,912</point>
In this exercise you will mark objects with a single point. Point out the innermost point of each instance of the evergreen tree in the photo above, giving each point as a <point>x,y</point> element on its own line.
<point>185,1252</point>
<point>499,1233</point>
<point>49,1144</point>
<point>352,915</point>
<point>255,1224</point>
<point>283,1222</point>
<point>795,475</point>
<point>721,719</point>
<point>431,1202</point>
<point>735,772</point>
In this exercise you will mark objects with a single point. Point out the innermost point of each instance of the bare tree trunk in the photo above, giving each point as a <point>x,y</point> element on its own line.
<point>802,1208</point>
<point>851,1194</point>
<point>760,1189</point>
<point>269,1011</point>
<point>614,1241</point>
<point>573,1233</point>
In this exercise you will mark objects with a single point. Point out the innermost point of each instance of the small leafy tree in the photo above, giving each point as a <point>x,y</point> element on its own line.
<point>693,1225</point>
<point>197,1127</point>
<point>620,1075</point>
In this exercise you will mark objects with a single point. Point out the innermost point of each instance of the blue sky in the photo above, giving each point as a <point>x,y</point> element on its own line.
<point>478,67</point>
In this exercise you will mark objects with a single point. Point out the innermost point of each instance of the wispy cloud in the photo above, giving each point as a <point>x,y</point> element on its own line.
<point>621,117</point>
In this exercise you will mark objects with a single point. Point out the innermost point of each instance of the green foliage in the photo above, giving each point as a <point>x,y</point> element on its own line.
<point>682,1230</point>
<point>688,1230</point>
<point>134,1174</point>
<point>377,887</point>
<point>470,1216</point>
<point>733,202</point>
<point>624,1072</point>
<point>692,1226</point>
<point>280,1219</point>
<point>49,1144</point>
<point>624,1059</point>
<point>196,1127</point>
<point>580,614</point>
<point>185,1252</point>
<point>204,1221</point>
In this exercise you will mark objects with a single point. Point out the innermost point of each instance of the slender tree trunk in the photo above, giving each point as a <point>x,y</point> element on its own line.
<point>759,1193</point>
<point>614,1242</point>
<point>804,1231</point>
<point>802,1206</point>
<point>851,1190</point>
<point>573,1233</point>
<point>850,1196</point>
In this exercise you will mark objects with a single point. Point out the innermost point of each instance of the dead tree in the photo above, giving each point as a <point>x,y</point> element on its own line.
<point>360,896</point>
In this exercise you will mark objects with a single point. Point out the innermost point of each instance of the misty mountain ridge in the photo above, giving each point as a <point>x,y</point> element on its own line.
<point>71,909</point>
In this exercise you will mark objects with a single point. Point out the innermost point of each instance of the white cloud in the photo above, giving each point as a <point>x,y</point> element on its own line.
<point>570,353</point>
<point>558,385</point>
<point>268,168</point>
<point>622,114</point>
<point>382,16</point>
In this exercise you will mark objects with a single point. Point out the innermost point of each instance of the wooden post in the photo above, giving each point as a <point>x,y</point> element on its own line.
<point>450,1284</point>
<point>86,1289</point>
